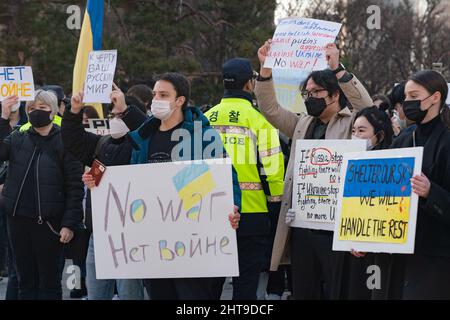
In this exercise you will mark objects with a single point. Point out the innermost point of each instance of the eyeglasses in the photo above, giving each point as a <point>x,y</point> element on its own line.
<point>113,115</point>
<point>308,94</point>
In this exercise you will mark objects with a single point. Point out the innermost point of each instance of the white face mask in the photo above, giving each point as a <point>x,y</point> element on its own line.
<point>161,109</point>
<point>369,144</point>
<point>117,128</point>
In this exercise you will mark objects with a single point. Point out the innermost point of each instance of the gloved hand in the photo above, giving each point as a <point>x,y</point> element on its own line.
<point>290,217</point>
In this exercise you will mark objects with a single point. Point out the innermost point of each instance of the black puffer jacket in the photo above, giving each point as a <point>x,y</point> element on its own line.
<point>59,189</point>
<point>86,145</point>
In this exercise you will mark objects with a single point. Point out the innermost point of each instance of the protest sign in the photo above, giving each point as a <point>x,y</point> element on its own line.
<point>299,44</point>
<point>165,220</point>
<point>377,209</point>
<point>317,172</point>
<point>98,126</point>
<point>99,76</point>
<point>17,81</point>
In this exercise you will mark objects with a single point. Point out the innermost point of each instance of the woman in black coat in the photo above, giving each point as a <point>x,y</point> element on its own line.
<point>426,273</point>
<point>42,196</point>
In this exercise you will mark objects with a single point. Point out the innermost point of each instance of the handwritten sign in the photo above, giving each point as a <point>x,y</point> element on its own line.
<point>299,43</point>
<point>98,126</point>
<point>165,220</point>
<point>317,180</point>
<point>16,81</point>
<point>99,76</point>
<point>377,208</point>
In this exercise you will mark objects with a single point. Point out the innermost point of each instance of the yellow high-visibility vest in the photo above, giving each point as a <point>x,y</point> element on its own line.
<point>248,137</point>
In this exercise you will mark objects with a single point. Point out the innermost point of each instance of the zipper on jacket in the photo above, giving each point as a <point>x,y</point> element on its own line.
<point>23,181</point>
<point>38,189</point>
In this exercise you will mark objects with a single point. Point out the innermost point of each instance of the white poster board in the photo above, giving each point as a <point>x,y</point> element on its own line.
<point>299,44</point>
<point>165,220</point>
<point>99,76</point>
<point>17,81</point>
<point>377,210</point>
<point>317,172</point>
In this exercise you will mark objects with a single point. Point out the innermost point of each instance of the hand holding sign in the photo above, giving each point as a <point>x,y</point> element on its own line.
<point>262,55</point>
<point>332,55</point>
<point>76,102</point>
<point>118,99</point>
<point>7,105</point>
<point>421,185</point>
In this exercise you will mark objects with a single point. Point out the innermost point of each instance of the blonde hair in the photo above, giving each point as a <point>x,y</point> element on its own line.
<point>46,97</point>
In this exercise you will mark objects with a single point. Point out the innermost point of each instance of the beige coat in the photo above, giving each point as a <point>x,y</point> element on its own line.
<point>295,127</point>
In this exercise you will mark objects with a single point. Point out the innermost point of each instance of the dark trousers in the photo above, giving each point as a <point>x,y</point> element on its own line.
<point>182,289</point>
<point>252,251</point>
<point>12,290</point>
<point>3,244</point>
<point>277,283</point>
<point>38,254</point>
<point>314,272</point>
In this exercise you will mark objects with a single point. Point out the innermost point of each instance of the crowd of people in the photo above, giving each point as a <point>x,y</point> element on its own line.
<point>46,213</point>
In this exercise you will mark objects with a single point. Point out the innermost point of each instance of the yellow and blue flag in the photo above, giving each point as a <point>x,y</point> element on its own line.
<point>376,200</point>
<point>90,39</point>
<point>193,183</point>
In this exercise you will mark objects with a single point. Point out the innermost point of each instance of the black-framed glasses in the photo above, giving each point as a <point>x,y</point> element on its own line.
<point>308,94</point>
<point>113,115</point>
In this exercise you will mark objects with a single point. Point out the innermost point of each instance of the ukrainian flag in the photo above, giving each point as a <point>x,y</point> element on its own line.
<point>193,183</point>
<point>372,211</point>
<point>90,39</point>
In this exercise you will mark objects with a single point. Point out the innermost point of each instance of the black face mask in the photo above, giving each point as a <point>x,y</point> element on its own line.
<point>315,106</point>
<point>39,118</point>
<point>412,110</point>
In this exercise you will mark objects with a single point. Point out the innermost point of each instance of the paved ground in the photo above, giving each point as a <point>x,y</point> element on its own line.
<point>226,295</point>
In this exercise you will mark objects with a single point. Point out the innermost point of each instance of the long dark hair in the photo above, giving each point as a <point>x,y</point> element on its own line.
<point>381,124</point>
<point>433,81</point>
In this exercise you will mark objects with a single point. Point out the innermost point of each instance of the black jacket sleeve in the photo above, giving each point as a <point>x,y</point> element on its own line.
<point>80,143</point>
<point>134,118</point>
<point>5,131</point>
<point>74,191</point>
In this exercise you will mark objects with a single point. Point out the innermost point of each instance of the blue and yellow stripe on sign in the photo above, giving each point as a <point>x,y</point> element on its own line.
<point>376,200</point>
<point>90,39</point>
<point>193,183</point>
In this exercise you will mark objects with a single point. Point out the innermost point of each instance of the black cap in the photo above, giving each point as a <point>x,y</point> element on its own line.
<point>237,70</point>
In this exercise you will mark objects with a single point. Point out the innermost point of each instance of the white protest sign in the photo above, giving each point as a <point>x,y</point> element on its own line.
<point>377,210</point>
<point>17,81</point>
<point>317,173</point>
<point>99,76</point>
<point>165,220</point>
<point>299,44</point>
<point>97,126</point>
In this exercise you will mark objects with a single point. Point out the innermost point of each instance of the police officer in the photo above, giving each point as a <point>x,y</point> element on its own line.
<point>253,145</point>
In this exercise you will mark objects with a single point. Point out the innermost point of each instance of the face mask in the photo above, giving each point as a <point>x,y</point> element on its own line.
<point>412,110</point>
<point>161,109</point>
<point>40,118</point>
<point>315,106</point>
<point>369,144</point>
<point>117,128</point>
